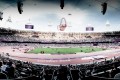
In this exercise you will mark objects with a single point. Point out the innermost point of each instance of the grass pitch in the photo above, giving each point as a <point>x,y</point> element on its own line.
<point>65,50</point>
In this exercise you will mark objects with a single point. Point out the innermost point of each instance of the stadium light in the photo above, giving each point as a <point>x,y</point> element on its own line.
<point>1,15</point>
<point>107,23</point>
<point>104,7</point>
<point>20,6</point>
<point>62,4</point>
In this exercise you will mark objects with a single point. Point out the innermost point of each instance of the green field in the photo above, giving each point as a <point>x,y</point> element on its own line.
<point>65,50</point>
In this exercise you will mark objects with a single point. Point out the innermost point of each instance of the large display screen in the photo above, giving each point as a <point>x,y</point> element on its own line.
<point>89,29</point>
<point>29,26</point>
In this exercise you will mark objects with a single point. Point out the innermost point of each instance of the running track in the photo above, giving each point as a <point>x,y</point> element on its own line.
<point>64,59</point>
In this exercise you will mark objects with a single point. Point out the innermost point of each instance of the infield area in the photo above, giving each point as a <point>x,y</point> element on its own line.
<point>65,50</point>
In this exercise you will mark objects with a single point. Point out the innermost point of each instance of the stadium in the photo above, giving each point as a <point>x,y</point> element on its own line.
<point>65,40</point>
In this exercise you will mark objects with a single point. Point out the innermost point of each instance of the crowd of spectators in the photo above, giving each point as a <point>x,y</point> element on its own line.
<point>51,39</point>
<point>32,36</point>
<point>38,45</point>
<point>26,70</point>
<point>20,70</point>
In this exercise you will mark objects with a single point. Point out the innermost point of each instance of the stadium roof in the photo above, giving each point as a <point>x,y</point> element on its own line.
<point>45,15</point>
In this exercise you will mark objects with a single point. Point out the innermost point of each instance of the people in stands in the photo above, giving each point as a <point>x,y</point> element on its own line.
<point>10,70</point>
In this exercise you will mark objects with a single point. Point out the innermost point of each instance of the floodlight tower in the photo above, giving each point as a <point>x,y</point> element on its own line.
<point>20,6</point>
<point>1,16</point>
<point>104,8</point>
<point>62,4</point>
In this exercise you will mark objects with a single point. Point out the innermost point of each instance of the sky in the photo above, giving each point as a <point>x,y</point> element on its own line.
<point>46,15</point>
